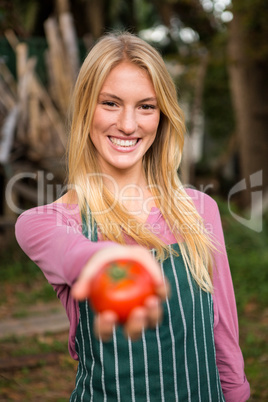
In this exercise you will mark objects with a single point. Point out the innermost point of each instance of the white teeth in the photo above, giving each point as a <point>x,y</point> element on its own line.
<point>123,143</point>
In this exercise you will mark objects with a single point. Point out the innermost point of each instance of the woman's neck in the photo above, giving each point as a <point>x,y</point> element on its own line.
<point>132,191</point>
<point>118,181</point>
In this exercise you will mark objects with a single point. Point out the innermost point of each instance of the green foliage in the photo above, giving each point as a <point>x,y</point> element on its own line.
<point>16,266</point>
<point>37,47</point>
<point>25,280</point>
<point>254,16</point>
<point>27,11</point>
<point>248,258</point>
<point>118,15</point>
<point>219,117</point>
<point>146,14</point>
<point>20,16</point>
<point>41,293</point>
<point>38,345</point>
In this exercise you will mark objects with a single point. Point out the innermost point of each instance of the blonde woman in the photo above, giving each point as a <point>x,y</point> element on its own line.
<point>125,199</point>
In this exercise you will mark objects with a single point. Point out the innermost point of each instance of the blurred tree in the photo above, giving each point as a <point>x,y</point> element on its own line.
<point>95,16</point>
<point>190,13</point>
<point>98,16</point>
<point>248,67</point>
<point>247,64</point>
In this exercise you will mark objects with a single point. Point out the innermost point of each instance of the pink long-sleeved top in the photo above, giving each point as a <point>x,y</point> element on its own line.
<point>52,237</point>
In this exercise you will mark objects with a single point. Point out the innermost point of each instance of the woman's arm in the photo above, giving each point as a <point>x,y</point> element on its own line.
<point>229,357</point>
<point>51,236</point>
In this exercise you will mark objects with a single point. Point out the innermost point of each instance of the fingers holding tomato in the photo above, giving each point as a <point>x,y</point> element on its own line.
<point>139,319</point>
<point>123,285</point>
<point>104,324</point>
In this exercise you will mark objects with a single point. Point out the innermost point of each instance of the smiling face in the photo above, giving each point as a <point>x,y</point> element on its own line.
<point>125,120</point>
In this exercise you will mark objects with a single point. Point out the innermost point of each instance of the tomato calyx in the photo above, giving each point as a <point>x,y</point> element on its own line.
<point>117,273</point>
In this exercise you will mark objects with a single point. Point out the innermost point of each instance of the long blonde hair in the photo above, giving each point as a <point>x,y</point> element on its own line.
<point>161,161</point>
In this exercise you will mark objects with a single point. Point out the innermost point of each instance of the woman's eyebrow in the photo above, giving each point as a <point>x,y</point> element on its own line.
<point>150,99</point>
<point>110,95</point>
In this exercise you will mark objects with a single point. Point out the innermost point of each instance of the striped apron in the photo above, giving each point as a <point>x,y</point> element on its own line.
<point>173,362</point>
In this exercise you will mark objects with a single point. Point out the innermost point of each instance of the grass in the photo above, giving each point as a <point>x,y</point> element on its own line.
<point>21,280</point>
<point>40,380</point>
<point>248,257</point>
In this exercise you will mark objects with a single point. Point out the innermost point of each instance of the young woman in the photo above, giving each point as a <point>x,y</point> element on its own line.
<point>125,199</point>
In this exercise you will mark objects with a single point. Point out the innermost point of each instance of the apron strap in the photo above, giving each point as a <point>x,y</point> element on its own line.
<point>89,226</point>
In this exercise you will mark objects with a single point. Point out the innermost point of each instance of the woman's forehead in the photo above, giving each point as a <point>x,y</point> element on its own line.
<point>128,75</point>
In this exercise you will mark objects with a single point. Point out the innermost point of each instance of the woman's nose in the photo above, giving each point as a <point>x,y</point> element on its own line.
<point>126,122</point>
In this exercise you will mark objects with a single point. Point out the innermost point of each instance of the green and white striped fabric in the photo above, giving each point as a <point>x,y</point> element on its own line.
<point>173,362</point>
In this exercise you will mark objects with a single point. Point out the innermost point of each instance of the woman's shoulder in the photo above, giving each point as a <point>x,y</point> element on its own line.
<point>205,205</point>
<point>69,198</point>
<point>65,205</point>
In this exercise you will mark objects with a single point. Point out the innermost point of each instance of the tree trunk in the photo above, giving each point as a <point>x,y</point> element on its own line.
<point>248,79</point>
<point>95,16</point>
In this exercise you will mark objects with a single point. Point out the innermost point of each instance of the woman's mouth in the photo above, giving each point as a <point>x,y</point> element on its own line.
<point>123,143</point>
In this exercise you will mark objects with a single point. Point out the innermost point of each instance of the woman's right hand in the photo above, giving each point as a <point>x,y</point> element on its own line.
<point>141,317</point>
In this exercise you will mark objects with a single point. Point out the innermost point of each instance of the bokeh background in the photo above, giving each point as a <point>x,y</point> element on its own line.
<point>217,53</point>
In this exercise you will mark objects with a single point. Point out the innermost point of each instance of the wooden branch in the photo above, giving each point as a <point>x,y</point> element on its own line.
<point>11,38</point>
<point>70,42</point>
<point>62,6</point>
<point>40,124</point>
<point>34,117</point>
<point>21,59</point>
<point>6,98</point>
<point>8,133</point>
<point>59,65</point>
<point>52,113</point>
<point>8,78</point>
<point>52,85</point>
<point>25,81</point>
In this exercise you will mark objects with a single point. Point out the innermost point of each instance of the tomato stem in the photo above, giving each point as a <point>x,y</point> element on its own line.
<point>117,273</point>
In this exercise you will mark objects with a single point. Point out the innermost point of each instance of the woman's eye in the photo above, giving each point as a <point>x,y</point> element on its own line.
<point>109,103</point>
<point>148,107</point>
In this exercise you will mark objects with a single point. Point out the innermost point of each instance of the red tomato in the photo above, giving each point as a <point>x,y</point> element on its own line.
<point>120,286</point>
